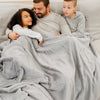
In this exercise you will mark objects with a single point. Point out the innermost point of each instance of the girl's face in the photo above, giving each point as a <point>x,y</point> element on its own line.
<point>26,19</point>
<point>69,8</point>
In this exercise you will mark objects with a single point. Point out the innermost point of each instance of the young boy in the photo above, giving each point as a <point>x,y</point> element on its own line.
<point>75,19</point>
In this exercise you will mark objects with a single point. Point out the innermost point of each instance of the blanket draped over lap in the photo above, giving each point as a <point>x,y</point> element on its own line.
<point>62,68</point>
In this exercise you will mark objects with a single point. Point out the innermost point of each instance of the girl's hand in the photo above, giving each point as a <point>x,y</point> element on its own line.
<point>40,43</point>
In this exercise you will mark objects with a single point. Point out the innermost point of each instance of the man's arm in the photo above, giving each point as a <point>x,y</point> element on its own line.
<point>8,31</point>
<point>12,35</point>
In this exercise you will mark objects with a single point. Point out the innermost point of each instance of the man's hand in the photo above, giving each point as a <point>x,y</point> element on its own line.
<point>58,35</point>
<point>13,35</point>
<point>40,43</point>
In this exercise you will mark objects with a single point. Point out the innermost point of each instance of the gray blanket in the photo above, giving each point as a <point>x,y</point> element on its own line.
<point>62,68</point>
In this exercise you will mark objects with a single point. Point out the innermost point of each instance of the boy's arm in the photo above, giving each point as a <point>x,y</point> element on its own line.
<point>27,32</point>
<point>81,27</point>
<point>64,28</point>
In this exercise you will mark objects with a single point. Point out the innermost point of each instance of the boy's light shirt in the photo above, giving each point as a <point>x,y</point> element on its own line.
<point>77,24</point>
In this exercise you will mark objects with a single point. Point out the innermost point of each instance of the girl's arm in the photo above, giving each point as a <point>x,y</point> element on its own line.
<point>27,32</point>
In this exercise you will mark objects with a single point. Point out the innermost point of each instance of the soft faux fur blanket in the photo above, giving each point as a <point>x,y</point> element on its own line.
<point>63,68</point>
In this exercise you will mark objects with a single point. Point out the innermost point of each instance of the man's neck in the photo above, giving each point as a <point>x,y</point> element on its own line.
<point>46,14</point>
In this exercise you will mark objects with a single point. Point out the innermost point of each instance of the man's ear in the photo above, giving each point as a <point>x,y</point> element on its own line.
<point>48,7</point>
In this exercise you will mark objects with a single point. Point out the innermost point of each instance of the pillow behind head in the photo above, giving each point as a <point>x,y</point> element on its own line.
<point>56,6</point>
<point>91,9</point>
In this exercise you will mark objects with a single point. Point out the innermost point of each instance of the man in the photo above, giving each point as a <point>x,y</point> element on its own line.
<point>49,23</point>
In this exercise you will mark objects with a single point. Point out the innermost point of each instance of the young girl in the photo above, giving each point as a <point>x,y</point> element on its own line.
<point>21,23</point>
<point>75,19</point>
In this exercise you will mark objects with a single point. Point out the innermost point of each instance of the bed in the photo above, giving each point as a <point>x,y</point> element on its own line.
<point>67,72</point>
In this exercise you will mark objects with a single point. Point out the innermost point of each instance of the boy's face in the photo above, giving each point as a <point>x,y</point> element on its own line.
<point>26,19</point>
<point>69,8</point>
<point>40,9</point>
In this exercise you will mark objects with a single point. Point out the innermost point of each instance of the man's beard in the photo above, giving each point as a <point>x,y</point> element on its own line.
<point>41,15</point>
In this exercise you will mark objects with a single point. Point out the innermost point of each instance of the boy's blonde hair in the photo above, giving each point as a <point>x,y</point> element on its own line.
<point>74,1</point>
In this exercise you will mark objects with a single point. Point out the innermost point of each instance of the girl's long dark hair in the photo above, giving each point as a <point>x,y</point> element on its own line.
<point>17,18</point>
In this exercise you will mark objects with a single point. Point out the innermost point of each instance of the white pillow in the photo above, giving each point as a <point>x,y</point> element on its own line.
<point>56,6</point>
<point>91,9</point>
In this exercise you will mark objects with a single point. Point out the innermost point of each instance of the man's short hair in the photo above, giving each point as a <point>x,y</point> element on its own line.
<point>74,1</point>
<point>46,2</point>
